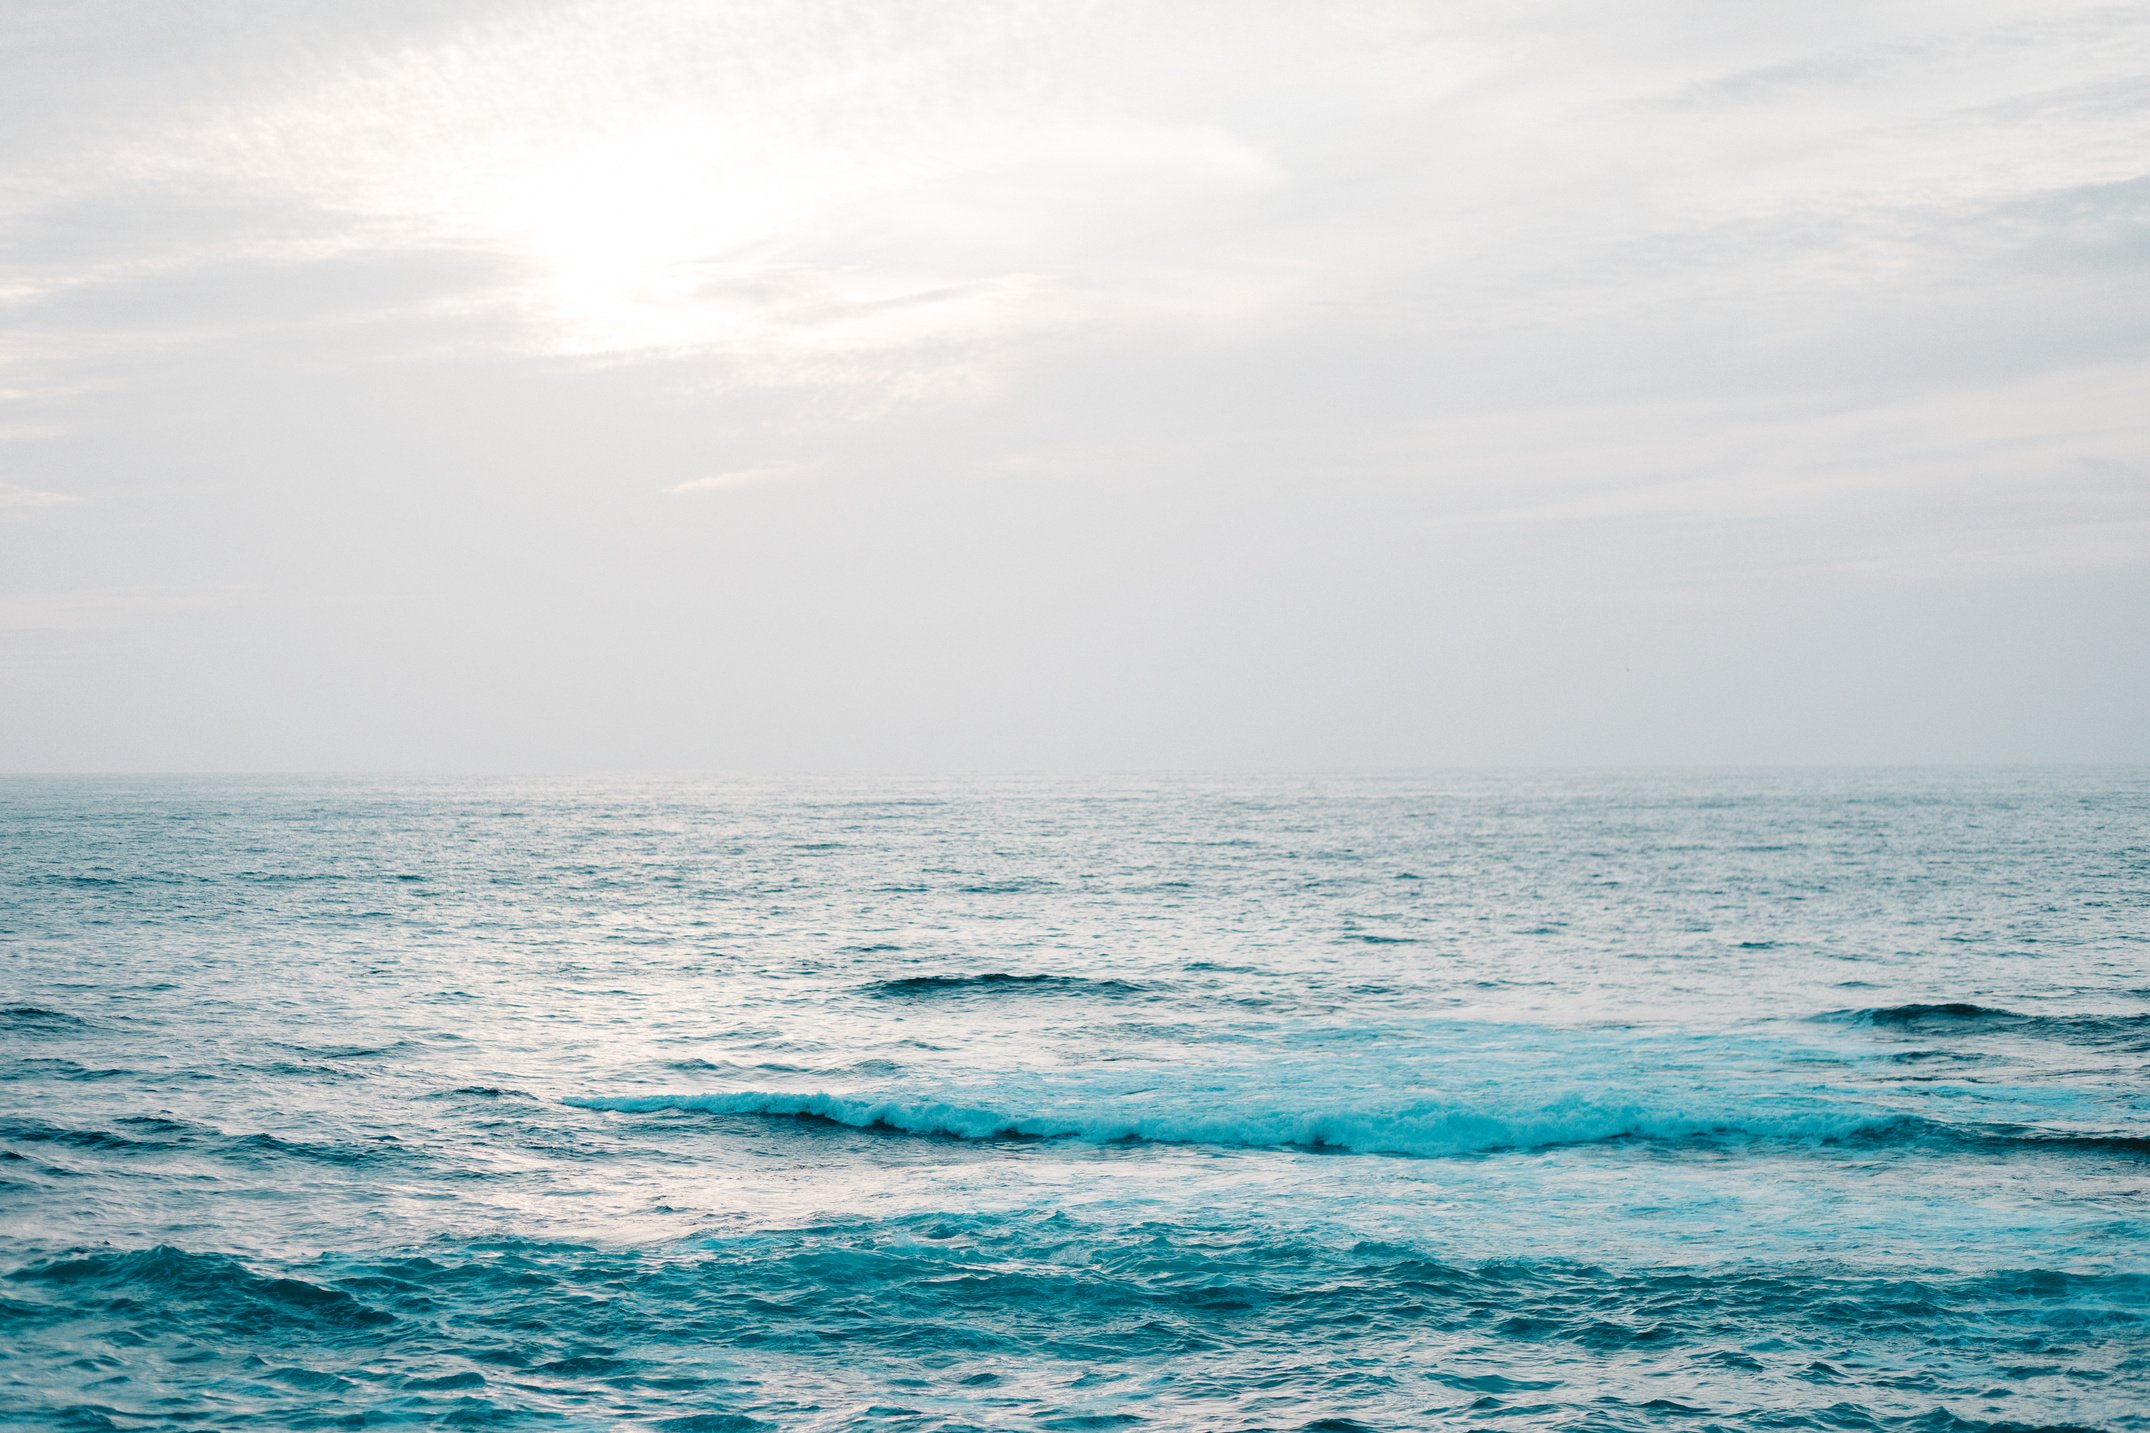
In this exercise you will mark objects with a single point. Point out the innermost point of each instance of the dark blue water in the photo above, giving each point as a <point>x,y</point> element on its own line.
<point>1731,1101</point>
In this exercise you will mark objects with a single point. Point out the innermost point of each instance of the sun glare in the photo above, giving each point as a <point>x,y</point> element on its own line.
<point>625,231</point>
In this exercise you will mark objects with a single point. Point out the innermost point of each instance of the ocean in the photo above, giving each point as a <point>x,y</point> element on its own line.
<point>1737,1100</point>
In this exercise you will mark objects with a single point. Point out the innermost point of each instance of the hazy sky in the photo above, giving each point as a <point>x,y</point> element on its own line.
<point>741,386</point>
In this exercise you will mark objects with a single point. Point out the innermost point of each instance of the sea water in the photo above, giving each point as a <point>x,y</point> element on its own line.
<point>1737,1100</point>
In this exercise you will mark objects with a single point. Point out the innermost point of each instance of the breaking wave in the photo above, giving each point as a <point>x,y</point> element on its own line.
<point>1426,1129</point>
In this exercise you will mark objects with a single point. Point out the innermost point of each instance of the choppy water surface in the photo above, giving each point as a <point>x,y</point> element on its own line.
<point>1513,1102</point>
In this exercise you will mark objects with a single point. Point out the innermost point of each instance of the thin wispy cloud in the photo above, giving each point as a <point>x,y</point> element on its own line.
<point>16,496</point>
<point>737,478</point>
<point>104,609</point>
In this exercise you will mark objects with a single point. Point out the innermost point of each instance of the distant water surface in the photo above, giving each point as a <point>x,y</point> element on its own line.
<point>1608,1102</point>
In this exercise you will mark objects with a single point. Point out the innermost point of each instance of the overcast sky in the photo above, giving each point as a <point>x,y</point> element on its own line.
<point>811,385</point>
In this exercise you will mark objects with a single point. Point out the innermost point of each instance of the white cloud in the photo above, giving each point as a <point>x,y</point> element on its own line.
<point>106,608</point>
<point>751,185</point>
<point>919,202</point>
<point>14,495</point>
<point>737,478</point>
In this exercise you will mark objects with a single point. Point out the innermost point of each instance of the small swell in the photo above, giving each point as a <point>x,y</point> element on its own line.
<point>61,1070</point>
<point>996,982</point>
<point>761,1070</point>
<point>302,1070</point>
<point>1954,1011</point>
<point>25,1131</point>
<point>2130,1030</point>
<point>155,1134</point>
<point>344,1052</point>
<point>232,1290</point>
<point>2006,1137</point>
<point>37,1017</point>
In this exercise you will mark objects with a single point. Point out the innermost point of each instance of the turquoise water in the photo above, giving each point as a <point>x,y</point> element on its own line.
<point>1727,1101</point>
